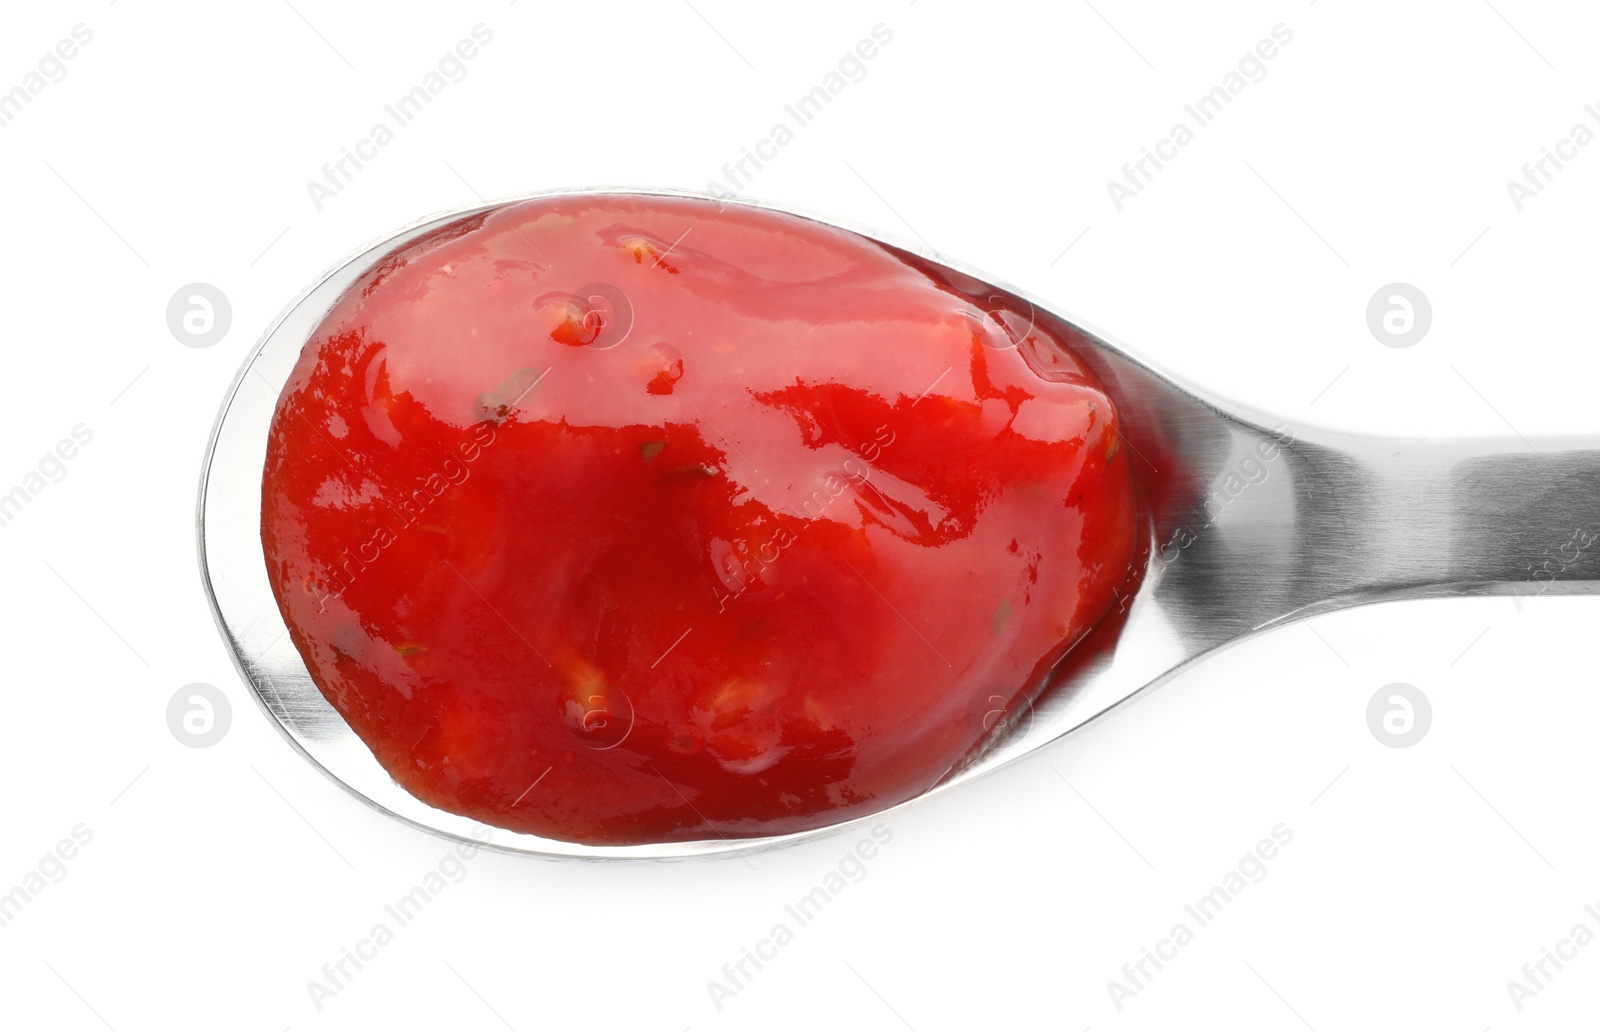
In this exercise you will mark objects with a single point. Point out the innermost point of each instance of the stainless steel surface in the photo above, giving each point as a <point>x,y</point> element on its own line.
<point>1253,523</point>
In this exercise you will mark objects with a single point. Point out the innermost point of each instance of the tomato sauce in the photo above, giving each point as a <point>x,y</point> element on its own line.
<point>621,519</point>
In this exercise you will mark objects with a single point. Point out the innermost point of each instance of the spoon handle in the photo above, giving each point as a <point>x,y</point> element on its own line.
<point>1511,520</point>
<point>1528,524</point>
<point>1279,527</point>
<point>1386,519</point>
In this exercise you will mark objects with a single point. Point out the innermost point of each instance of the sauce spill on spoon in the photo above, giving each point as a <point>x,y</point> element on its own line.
<point>621,519</point>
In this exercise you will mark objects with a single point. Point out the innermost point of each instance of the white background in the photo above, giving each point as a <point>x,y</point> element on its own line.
<point>1377,148</point>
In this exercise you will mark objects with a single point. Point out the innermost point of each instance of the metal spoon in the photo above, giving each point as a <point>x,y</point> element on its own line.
<point>1253,524</point>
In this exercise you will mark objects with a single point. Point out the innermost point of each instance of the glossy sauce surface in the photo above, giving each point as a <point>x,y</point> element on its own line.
<point>621,519</point>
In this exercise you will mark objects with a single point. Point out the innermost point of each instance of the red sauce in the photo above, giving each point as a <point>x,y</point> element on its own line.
<point>622,519</point>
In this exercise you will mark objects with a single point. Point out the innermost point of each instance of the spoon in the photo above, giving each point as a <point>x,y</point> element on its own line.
<point>1252,524</point>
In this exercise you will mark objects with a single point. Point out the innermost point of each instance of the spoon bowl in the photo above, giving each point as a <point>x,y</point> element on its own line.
<point>1250,523</point>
